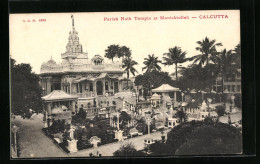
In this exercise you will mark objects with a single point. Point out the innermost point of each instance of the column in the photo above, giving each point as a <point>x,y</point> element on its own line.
<point>49,108</point>
<point>48,86</point>
<point>73,106</point>
<point>70,87</point>
<point>45,119</point>
<point>117,121</point>
<point>94,87</point>
<point>119,86</point>
<point>175,97</point>
<point>148,126</point>
<point>104,88</point>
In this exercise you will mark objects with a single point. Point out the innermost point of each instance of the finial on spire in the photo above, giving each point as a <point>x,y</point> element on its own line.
<point>51,57</point>
<point>72,17</point>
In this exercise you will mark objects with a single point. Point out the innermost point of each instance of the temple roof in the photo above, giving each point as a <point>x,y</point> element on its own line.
<point>165,88</point>
<point>155,97</point>
<point>73,47</point>
<point>50,63</point>
<point>57,95</point>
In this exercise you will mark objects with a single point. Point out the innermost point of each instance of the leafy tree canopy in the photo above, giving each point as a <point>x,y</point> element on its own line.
<point>194,138</point>
<point>196,77</point>
<point>25,90</point>
<point>154,79</point>
<point>113,51</point>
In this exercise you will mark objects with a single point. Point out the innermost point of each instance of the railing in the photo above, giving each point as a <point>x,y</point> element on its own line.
<point>85,67</point>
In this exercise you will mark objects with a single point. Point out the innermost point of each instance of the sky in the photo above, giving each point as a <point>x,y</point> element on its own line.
<point>36,42</point>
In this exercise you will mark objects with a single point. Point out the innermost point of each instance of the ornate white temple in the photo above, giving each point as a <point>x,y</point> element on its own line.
<point>77,74</point>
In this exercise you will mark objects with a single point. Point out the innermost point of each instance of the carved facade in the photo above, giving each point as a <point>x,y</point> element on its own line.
<point>77,74</point>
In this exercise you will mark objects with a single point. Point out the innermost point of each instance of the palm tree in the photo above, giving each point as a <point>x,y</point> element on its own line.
<point>226,64</point>
<point>128,65</point>
<point>151,63</point>
<point>208,51</point>
<point>175,56</point>
<point>237,56</point>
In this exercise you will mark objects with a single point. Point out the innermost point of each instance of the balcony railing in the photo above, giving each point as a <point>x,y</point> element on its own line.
<point>81,67</point>
<point>84,95</point>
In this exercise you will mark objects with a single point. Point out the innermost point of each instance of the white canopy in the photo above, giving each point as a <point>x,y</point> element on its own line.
<point>165,88</point>
<point>59,95</point>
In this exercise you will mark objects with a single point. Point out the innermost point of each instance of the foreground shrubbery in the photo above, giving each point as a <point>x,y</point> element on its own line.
<point>128,150</point>
<point>196,138</point>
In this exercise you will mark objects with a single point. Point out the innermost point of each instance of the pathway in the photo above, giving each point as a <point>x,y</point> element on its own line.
<point>109,149</point>
<point>234,117</point>
<point>33,143</point>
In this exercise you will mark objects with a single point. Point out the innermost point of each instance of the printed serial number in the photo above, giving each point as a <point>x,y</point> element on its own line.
<point>34,20</point>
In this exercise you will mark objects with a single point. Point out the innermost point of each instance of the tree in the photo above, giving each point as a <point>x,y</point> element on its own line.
<point>153,78</point>
<point>225,63</point>
<point>124,52</point>
<point>25,90</point>
<point>151,63</point>
<point>175,56</point>
<point>124,117</point>
<point>208,51</point>
<point>197,138</point>
<point>127,150</point>
<point>128,65</point>
<point>220,110</point>
<point>80,117</point>
<point>181,115</point>
<point>196,77</point>
<point>237,56</point>
<point>160,149</point>
<point>212,139</point>
<point>112,51</point>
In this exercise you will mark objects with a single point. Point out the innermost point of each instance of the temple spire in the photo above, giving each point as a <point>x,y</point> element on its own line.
<point>72,17</point>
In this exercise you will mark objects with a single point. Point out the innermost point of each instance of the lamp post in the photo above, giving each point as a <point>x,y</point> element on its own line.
<point>14,130</point>
<point>148,121</point>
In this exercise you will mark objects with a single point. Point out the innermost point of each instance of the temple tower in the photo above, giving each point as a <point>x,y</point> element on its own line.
<point>73,47</point>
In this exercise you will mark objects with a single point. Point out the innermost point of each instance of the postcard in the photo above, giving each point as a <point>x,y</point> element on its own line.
<point>125,84</point>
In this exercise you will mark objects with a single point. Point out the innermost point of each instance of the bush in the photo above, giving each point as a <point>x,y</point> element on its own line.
<point>210,139</point>
<point>194,138</point>
<point>127,150</point>
<point>57,126</point>
<point>220,110</point>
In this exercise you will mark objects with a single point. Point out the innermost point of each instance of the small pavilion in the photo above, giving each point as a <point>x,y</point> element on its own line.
<point>165,89</point>
<point>155,99</point>
<point>59,105</point>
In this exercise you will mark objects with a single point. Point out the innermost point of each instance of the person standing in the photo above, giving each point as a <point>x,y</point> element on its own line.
<point>229,120</point>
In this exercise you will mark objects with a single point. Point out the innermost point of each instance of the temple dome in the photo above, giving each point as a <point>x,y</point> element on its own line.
<point>50,63</point>
<point>97,59</point>
<point>155,96</point>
